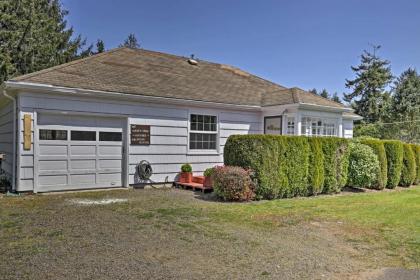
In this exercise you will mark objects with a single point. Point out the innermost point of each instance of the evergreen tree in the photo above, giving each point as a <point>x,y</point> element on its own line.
<point>100,46</point>
<point>406,104</point>
<point>368,94</point>
<point>324,93</point>
<point>336,98</point>
<point>131,42</point>
<point>34,36</point>
<point>314,91</point>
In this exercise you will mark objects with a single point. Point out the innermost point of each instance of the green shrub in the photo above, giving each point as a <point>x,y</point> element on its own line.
<point>265,155</point>
<point>408,173</point>
<point>364,167</point>
<point>394,157</point>
<point>416,150</point>
<point>186,167</point>
<point>336,153</point>
<point>379,149</point>
<point>316,166</point>
<point>233,183</point>
<point>208,172</point>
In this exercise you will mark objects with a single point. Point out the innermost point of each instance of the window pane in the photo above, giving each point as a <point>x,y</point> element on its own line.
<point>77,135</point>
<point>206,127</point>
<point>213,127</point>
<point>193,126</point>
<point>48,134</point>
<point>203,141</point>
<point>110,136</point>
<point>193,118</point>
<point>200,126</point>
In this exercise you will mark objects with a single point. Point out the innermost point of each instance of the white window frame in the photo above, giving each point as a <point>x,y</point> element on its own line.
<point>322,128</point>
<point>293,118</point>
<point>217,133</point>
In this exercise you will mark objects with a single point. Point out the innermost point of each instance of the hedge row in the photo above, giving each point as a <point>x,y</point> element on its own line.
<point>287,166</point>
<point>379,149</point>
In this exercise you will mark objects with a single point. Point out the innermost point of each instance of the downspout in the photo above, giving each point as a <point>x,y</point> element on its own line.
<point>14,139</point>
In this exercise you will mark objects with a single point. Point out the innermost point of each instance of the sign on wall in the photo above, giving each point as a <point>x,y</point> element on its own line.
<point>140,134</point>
<point>272,125</point>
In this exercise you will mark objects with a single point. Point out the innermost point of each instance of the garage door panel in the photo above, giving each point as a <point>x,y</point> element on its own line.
<point>109,150</point>
<point>110,163</point>
<point>53,180</point>
<point>83,179</point>
<point>112,178</point>
<point>55,150</point>
<point>83,164</point>
<point>52,165</point>
<point>82,150</point>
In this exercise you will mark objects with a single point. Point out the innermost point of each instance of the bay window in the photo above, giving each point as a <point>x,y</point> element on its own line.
<point>312,126</point>
<point>203,132</point>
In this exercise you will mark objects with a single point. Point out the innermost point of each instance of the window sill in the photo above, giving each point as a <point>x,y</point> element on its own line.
<point>202,152</point>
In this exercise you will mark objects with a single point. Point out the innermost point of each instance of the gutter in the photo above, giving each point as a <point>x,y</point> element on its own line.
<point>14,167</point>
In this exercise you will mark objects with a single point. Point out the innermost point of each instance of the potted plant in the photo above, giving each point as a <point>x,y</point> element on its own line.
<point>208,180</point>
<point>186,173</point>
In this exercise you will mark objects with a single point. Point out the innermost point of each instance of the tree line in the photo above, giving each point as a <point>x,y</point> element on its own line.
<point>34,35</point>
<point>389,105</point>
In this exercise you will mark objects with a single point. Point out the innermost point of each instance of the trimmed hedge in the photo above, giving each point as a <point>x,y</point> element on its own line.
<point>394,157</point>
<point>408,173</point>
<point>379,150</point>
<point>364,170</point>
<point>335,163</point>
<point>416,150</point>
<point>316,166</point>
<point>281,163</point>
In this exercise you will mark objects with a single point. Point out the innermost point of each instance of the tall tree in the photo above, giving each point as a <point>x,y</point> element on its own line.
<point>336,98</point>
<point>314,91</point>
<point>34,35</point>
<point>131,42</point>
<point>324,93</point>
<point>100,46</point>
<point>406,104</point>
<point>368,95</point>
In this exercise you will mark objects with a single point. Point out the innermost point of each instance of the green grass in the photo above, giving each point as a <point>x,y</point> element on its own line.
<point>390,219</point>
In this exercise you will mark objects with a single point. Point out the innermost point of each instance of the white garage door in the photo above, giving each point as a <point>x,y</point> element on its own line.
<point>76,152</point>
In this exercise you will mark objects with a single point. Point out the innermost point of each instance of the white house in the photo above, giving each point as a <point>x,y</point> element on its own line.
<point>88,123</point>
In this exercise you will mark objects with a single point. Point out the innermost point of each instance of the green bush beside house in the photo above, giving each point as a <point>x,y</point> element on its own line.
<point>364,168</point>
<point>394,157</point>
<point>379,149</point>
<point>416,150</point>
<point>316,166</point>
<point>408,172</point>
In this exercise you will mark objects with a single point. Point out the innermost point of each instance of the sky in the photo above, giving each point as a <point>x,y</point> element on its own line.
<point>303,43</point>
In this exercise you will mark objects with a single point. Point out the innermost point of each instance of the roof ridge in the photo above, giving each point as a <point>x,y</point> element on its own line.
<point>314,94</point>
<point>210,62</point>
<point>67,64</point>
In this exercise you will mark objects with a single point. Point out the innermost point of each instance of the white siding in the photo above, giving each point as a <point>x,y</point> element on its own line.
<point>169,132</point>
<point>6,137</point>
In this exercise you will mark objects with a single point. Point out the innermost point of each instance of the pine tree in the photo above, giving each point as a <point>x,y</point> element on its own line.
<point>368,94</point>
<point>131,42</point>
<point>336,98</point>
<point>34,36</point>
<point>314,91</point>
<point>406,104</point>
<point>324,93</point>
<point>100,46</point>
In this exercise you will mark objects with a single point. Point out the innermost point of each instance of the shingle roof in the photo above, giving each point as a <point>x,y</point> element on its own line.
<point>150,73</point>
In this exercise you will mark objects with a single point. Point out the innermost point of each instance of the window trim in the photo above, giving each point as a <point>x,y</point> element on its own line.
<point>274,117</point>
<point>217,132</point>
<point>324,121</point>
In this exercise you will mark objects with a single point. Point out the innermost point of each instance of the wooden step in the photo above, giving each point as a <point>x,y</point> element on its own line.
<point>198,179</point>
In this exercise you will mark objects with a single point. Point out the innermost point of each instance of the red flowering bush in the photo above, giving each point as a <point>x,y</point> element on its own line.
<point>233,183</point>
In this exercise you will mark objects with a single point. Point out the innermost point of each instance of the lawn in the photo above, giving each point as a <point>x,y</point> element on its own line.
<point>177,234</point>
